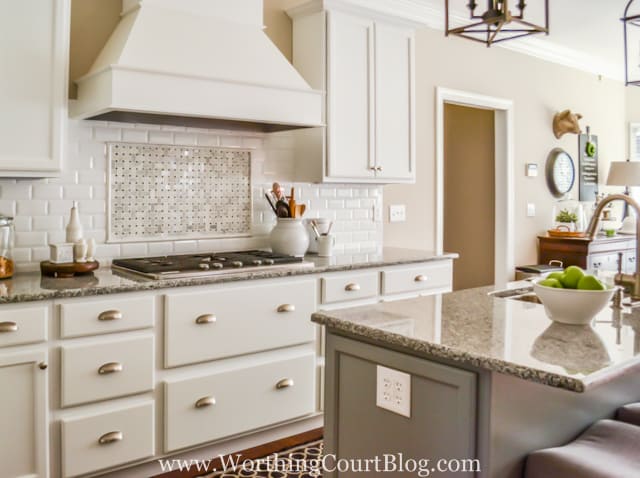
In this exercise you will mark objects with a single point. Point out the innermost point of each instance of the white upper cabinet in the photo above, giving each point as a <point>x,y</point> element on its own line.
<point>365,64</point>
<point>34,45</point>
<point>394,124</point>
<point>350,97</point>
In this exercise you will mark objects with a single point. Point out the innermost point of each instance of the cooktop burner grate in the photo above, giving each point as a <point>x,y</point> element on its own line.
<point>204,264</point>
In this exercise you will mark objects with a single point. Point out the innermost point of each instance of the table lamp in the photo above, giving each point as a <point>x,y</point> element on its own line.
<point>625,173</point>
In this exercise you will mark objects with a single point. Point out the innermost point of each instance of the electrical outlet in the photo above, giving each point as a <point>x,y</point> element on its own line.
<point>397,213</point>
<point>393,391</point>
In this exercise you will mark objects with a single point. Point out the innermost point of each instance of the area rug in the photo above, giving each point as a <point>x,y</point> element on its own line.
<point>302,461</point>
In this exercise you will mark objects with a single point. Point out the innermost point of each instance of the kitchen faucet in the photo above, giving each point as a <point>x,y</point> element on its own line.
<point>632,280</point>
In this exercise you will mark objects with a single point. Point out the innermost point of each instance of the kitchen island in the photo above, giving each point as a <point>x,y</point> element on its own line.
<point>490,379</point>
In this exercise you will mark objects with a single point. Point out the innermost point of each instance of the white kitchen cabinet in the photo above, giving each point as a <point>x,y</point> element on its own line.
<point>366,66</point>
<point>34,37</point>
<point>23,414</point>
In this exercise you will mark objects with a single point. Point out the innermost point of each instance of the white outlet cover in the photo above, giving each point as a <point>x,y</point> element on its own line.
<point>397,213</point>
<point>393,390</point>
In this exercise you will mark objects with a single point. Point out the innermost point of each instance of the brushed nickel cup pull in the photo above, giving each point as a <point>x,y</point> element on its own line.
<point>8,327</point>
<point>287,308</point>
<point>110,315</point>
<point>110,437</point>
<point>206,319</point>
<point>352,287</point>
<point>284,383</point>
<point>206,402</point>
<point>420,278</point>
<point>111,367</point>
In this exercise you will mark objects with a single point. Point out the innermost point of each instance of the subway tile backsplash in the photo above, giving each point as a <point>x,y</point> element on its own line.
<point>41,207</point>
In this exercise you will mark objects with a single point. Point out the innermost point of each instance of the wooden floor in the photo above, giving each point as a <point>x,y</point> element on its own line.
<point>252,453</point>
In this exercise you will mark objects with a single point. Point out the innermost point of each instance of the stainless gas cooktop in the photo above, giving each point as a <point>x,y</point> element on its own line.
<point>206,264</point>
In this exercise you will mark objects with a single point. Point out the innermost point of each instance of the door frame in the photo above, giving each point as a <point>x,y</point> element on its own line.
<point>504,174</point>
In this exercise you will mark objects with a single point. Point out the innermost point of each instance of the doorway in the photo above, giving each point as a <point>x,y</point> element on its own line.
<point>469,194</point>
<point>503,194</point>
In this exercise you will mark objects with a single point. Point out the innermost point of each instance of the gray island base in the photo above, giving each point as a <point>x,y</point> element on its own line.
<point>490,381</point>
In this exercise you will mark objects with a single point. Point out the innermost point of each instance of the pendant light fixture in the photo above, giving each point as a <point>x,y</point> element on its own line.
<point>631,21</point>
<point>498,22</point>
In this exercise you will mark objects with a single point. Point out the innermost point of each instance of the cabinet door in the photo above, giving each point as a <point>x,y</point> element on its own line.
<point>23,415</point>
<point>394,124</point>
<point>349,97</point>
<point>33,88</point>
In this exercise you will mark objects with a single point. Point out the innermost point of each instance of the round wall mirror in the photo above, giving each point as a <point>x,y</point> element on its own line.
<point>560,172</point>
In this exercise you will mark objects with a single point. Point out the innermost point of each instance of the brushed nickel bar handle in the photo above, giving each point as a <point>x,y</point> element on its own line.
<point>110,437</point>
<point>111,367</point>
<point>8,327</point>
<point>420,278</point>
<point>287,308</point>
<point>284,383</point>
<point>206,319</point>
<point>108,315</point>
<point>206,402</point>
<point>352,287</point>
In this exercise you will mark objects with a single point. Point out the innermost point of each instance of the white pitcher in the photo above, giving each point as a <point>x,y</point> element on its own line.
<point>289,237</point>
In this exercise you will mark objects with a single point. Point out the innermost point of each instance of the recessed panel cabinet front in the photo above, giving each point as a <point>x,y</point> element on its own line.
<point>394,123</point>
<point>350,96</point>
<point>107,369</point>
<point>203,326</point>
<point>23,415</point>
<point>210,407</point>
<point>33,86</point>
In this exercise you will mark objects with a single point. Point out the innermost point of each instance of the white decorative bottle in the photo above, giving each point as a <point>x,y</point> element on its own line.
<point>74,228</point>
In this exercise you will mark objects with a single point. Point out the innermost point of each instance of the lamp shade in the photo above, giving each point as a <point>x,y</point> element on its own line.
<point>624,173</point>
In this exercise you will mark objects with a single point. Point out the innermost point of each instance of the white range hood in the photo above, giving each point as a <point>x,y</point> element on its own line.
<point>203,63</point>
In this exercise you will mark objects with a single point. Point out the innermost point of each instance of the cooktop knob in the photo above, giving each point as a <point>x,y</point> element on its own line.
<point>269,262</point>
<point>237,264</point>
<point>204,266</point>
<point>217,265</point>
<point>221,259</point>
<point>256,262</point>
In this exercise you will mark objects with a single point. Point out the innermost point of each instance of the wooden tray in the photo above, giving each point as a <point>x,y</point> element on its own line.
<point>563,233</point>
<point>67,269</point>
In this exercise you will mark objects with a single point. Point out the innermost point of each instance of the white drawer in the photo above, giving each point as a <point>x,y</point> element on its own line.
<point>102,441</point>
<point>436,276</point>
<point>233,321</point>
<point>104,316</point>
<point>23,325</point>
<point>343,287</point>
<point>210,407</point>
<point>106,370</point>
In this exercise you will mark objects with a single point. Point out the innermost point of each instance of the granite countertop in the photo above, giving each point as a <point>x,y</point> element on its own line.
<point>501,335</point>
<point>32,286</point>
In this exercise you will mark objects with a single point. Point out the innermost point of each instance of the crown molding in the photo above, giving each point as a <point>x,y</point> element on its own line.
<point>419,14</point>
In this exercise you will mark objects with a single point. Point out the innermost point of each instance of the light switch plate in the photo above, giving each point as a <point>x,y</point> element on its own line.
<point>531,209</point>
<point>397,213</point>
<point>393,391</point>
<point>531,170</point>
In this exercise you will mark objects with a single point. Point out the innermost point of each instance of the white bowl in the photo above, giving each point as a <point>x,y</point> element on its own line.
<point>572,306</point>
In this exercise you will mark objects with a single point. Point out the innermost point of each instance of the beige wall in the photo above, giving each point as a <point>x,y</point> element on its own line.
<point>538,89</point>
<point>469,172</point>
<point>92,21</point>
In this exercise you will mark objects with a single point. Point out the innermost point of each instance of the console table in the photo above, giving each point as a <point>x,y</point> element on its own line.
<point>600,253</point>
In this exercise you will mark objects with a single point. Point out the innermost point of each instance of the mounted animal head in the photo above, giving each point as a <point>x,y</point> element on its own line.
<point>566,122</point>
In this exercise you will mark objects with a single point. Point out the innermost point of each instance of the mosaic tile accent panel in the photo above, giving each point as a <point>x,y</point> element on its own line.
<point>158,192</point>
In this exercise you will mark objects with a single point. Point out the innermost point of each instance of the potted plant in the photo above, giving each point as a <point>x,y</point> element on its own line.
<point>566,219</point>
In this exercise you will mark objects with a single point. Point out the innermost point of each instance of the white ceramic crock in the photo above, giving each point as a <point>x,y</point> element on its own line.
<point>289,237</point>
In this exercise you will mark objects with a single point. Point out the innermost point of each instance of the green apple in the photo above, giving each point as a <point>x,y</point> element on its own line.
<point>555,283</point>
<point>555,275</point>
<point>589,282</point>
<point>571,277</point>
